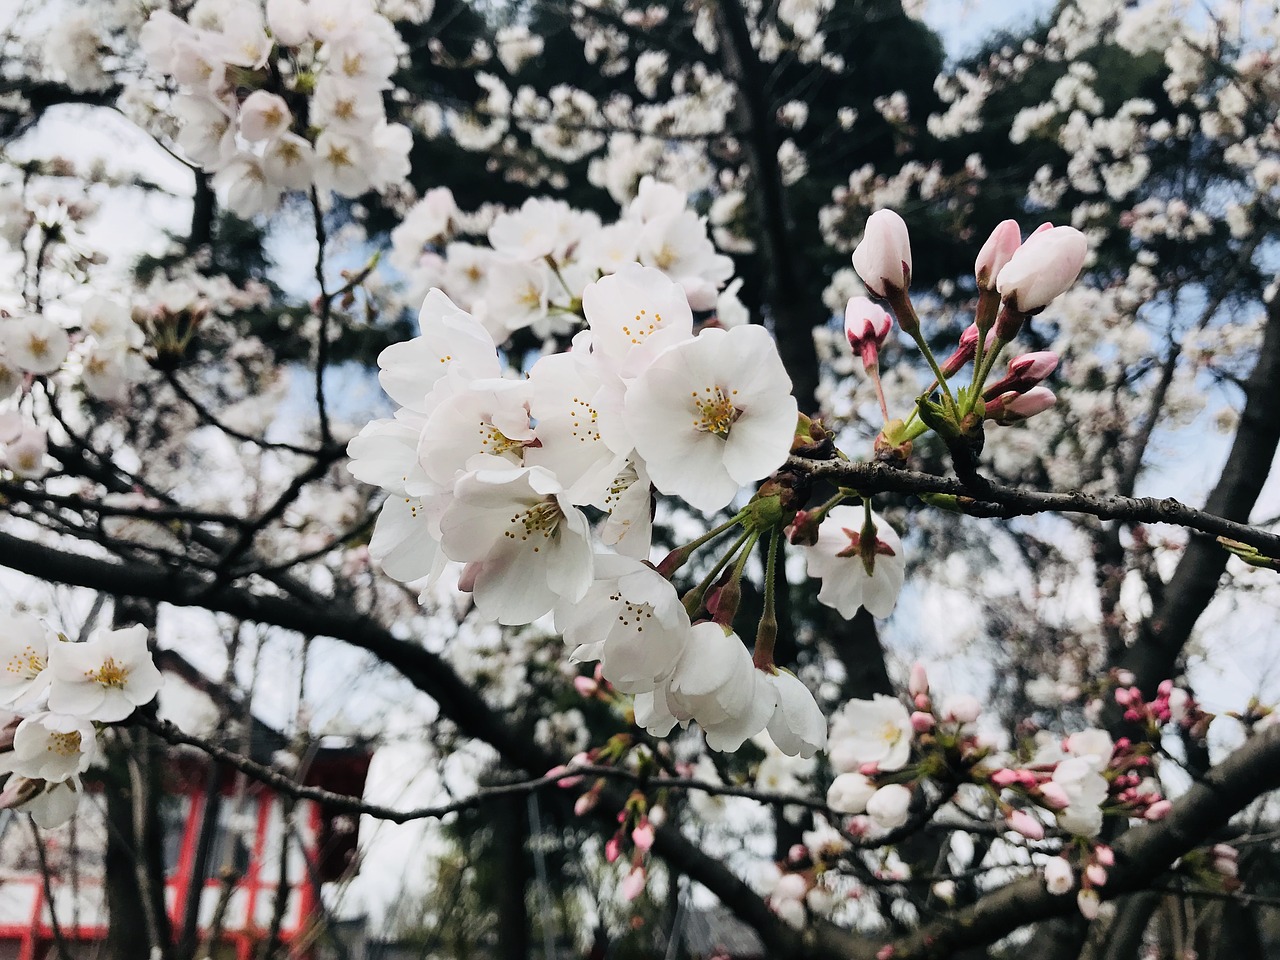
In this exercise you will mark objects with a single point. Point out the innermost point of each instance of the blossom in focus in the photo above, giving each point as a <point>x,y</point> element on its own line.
<point>852,576</point>
<point>631,620</point>
<point>106,677</point>
<point>996,252</point>
<point>712,414</point>
<point>531,547</point>
<point>797,727</point>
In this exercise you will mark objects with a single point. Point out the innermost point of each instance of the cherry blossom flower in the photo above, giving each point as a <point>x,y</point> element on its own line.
<point>876,731</point>
<point>1058,876</point>
<point>849,793</point>
<point>50,746</point>
<point>531,546</point>
<point>105,678</point>
<point>50,803</point>
<point>631,620</point>
<point>798,726</point>
<point>890,806</point>
<point>716,684</point>
<point>24,656</point>
<point>712,414</point>
<point>996,252</point>
<point>851,575</point>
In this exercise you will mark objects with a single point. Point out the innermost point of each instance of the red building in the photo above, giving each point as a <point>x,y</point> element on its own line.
<point>239,859</point>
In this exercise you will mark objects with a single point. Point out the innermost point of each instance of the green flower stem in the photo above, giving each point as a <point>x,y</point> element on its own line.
<point>937,373</point>
<point>693,599</point>
<point>685,552</point>
<point>767,631</point>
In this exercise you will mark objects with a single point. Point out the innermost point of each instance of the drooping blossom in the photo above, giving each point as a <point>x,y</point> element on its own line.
<point>855,574</point>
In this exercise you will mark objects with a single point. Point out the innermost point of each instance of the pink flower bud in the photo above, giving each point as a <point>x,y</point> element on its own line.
<point>1096,874</point>
<point>922,722</point>
<point>918,682</point>
<point>1224,851</point>
<point>869,769</point>
<point>886,952</point>
<point>1016,407</point>
<point>996,252</point>
<point>642,835</point>
<point>1104,855</point>
<point>1122,697</point>
<point>797,852</point>
<point>1125,678</point>
<point>586,686</point>
<point>1042,268</point>
<point>1158,810</point>
<point>965,350</point>
<point>921,701</point>
<point>612,848</point>
<point>1054,796</point>
<point>586,802</point>
<point>633,884</point>
<point>1005,777</point>
<point>883,258</point>
<point>866,326</point>
<point>1024,373</point>
<point>1226,868</point>
<point>1025,824</point>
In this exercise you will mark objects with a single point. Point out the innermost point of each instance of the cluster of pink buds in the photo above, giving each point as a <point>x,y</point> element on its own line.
<point>1019,393</point>
<point>1093,877</point>
<point>1015,280</point>
<point>636,825</point>
<point>1171,705</point>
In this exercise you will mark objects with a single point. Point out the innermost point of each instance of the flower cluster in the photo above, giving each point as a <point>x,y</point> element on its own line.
<point>288,98</point>
<point>62,690</point>
<point>494,473</point>
<point>541,258</point>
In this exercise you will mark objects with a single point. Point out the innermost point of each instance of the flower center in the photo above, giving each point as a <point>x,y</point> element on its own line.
<point>715,409</point>
<point>28,663</point>
<point>110,674</point>
<point>64,744</point>
<point>632,615</point>
<point>890,734</point>
<point>496,442</point>
<point>584,420</point>
<point>644,325</point>
<point>539,521</point>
